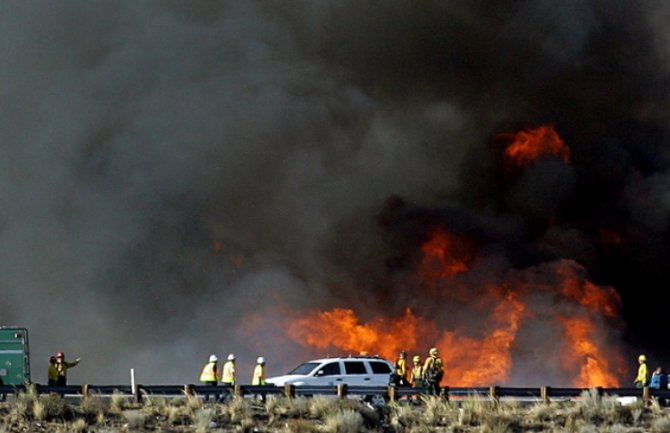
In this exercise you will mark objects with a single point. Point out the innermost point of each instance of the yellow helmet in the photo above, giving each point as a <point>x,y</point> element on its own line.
<point>416,358</point>
<point>432,352</point>
<point>642,358</point>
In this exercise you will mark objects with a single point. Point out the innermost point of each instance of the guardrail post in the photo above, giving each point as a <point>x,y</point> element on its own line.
<point>289,391</point>
<point>545,393</point>
<point>392,392</point>
<point>84,390</point>
<point>342,390</point>
<point>494,394</point>
<point>138,393</point>
<point>444,393</point>
<point>646,395</point>
<point>238,391</point>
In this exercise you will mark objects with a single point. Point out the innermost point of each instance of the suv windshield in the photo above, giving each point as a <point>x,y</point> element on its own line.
<point>305,368</point>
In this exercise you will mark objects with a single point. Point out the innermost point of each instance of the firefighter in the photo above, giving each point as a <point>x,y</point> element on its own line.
<point>433,370</point>
<point>401,369</point>
<point>416,375</point>
<point>52,374</point>
<point>228,375</point>
<point>258,377</point>
<point>62,366</point>
<point>642,378</point>
<point>210,372</point>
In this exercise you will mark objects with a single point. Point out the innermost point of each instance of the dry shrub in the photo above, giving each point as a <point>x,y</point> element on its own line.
<point>118,402</point>
<point>78,426</point>
<point>320,406</point>
<point>403,418</point>
<point>299,426</point>
<point>542,412</point>
<point>500,423</point>
<point>238,409</point>
<point>193,402</point>
<point>661,425</point>
<point>135,419</point>
<point>343,421</point>
<point>204,420</point>
<point>298,407</point>
<point>178,415</point>
<point>48,407</point>
<point>93,408</point>
<point>439,412</point>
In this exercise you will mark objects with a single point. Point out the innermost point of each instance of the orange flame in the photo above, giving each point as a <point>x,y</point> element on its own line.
<point>595,368</point>
<point>340,328</point>
<point>604,300</point>
<point>529,145</point>
<point>444,256</point>
<point>555,294</point>
<point>472,362</point>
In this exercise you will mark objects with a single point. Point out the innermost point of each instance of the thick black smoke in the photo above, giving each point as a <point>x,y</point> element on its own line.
<point>169,168</point>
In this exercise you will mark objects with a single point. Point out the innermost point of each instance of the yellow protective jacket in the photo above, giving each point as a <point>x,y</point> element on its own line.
<point>52,375</point>
<point>259,375</point>
<point>401,367</point>
<point>228,376</point>
<point>61,367</point>
<point>642,374</point>
<point>209,373</point>
<point>416,375</point>
<point>433,362</point>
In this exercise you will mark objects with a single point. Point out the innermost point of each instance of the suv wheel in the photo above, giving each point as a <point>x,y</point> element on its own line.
<point>375,400</point>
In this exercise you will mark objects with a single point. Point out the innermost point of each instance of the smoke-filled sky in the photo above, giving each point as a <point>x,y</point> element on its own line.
<point>171,169</point>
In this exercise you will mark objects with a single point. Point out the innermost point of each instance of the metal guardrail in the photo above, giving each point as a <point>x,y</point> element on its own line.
<point>390,393</point>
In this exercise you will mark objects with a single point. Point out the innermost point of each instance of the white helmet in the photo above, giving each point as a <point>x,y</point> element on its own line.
<point>260,360</point>
<point>231,357</point>
<point>213,358</point>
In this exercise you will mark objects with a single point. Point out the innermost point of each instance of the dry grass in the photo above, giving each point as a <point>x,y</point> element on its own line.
<point>592,413</point>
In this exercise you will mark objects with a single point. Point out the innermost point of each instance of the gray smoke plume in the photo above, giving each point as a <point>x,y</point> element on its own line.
<point>170,168</point>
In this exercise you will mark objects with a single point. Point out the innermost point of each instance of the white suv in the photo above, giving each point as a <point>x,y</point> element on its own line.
<point>353,370</point>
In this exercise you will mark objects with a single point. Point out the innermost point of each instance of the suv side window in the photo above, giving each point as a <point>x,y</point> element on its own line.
<point>331,369</point>
<point>380,367</point>
<point>354,367</point>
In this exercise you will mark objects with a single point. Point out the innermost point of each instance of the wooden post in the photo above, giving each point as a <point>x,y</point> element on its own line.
<point>444,393</point>
<point>289,391</point>
<point>342,390</point>
<point>493,394</point>
<point>646,395</point>
<point>545,393</point>
<point>138,393</point>
<point>238,391</point>
<point>188,391</point>
<point>84,390</point>
<point>392,392</point>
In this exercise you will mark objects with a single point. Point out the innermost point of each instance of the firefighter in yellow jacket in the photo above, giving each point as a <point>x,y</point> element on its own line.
<point>258,377</point>
<point>52,374</point>
<point>210,373</point>
<point>642,378</point>
<point>433,370</point>
<point>416,375</point>
<point>62,366</point>
<point>228,374</point>
<point>401,369</point>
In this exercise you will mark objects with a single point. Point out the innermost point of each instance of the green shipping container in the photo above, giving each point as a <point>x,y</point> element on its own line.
<point>14,356</point>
